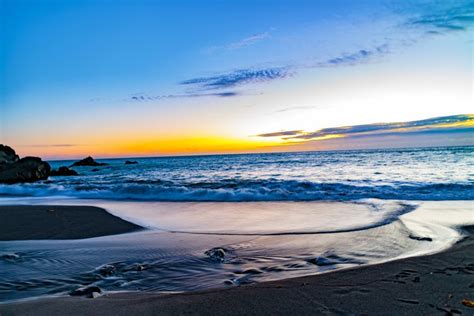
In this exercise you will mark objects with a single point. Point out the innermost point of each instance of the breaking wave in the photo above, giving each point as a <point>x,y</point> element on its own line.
<point>238,190</point>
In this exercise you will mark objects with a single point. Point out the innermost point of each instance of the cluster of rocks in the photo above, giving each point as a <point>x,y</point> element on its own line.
<point>64,171</point>
<point>86,162</point>
<point>89,161</point>
<point>16,170</point>
<point>30,169</point>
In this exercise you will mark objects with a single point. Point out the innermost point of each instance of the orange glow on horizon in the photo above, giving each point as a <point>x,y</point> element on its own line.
<point>142,144</point>
<point>139,147</point>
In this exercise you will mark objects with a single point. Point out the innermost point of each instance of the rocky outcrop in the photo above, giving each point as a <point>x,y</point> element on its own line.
<point>130,162</point>
<point>28,169</point>
<point>7,155</point>
<point>63,171</point>
<point>89,161</point>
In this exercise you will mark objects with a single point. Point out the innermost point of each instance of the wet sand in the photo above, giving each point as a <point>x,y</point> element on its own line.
<point>427,285</point>
<point>32,222</point>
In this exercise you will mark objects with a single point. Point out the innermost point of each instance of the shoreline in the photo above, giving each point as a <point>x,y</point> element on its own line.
<point>435,284</point>
<point>428,284</point>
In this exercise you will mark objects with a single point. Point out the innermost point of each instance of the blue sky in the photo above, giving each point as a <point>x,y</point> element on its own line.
<point>132,77</point>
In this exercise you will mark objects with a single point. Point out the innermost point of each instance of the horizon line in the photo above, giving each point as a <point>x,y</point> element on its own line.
<point>268,152</point>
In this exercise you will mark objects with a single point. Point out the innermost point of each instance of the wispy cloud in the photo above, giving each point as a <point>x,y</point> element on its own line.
<point>294,108</point>
<point>258,75</point>
<point>248,41</point>
<point>358,57</point>
<point>144,97</point>
<point>445,123</point>
<point>242,43</point>
<point>446,16</point>
<point>283,133</point>
<point>203,86</point>
<point>238,77</point>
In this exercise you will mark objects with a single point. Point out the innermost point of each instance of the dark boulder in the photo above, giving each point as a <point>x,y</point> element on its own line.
<point>7,155</point>
<point>89,161</point>
<point>28,169</point>
<point>128,162</point>
<point>63,171</point>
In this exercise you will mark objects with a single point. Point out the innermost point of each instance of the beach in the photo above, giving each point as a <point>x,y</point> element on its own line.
<point>59,222</point>
<point>432,284</point>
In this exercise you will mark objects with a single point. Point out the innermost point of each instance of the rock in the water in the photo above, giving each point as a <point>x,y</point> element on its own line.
<point>129,162</point>
<point>216,254</point>
<point>321,261</point>
<point>10,256</point>
<point>28,169</point>
<point>64,171</point>
<point>87,291</point>
<point>89,161</point>
<point>95,170</point>
<point>420,238</point>
<point>7,155</point>
<point>106,270</point>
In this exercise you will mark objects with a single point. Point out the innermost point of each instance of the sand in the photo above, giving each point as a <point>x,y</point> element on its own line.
<point>427,285</point>
<point>30,222</point>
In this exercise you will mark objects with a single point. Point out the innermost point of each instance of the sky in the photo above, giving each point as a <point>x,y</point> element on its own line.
<point>147,78</point>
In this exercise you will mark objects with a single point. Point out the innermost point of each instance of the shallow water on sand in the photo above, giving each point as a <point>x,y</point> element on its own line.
<point>191,246</point>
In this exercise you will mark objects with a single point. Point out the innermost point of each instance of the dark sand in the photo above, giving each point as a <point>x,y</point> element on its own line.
<point>28,222</point>
<point>427,285</point>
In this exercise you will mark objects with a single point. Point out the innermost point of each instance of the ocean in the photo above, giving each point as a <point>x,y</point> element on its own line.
<point>275,216</point>
<point>407,174</point>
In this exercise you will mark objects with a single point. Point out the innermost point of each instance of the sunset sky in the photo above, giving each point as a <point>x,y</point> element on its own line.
<point>145,78</point>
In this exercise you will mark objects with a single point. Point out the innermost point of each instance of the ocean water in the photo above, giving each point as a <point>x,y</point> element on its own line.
<point>407,174</point>
<point>275,216</point>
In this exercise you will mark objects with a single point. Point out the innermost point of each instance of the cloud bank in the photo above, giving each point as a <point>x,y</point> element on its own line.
<point>453,123</point>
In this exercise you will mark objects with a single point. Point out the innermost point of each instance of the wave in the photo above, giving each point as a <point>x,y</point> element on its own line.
<point>242,190</point>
